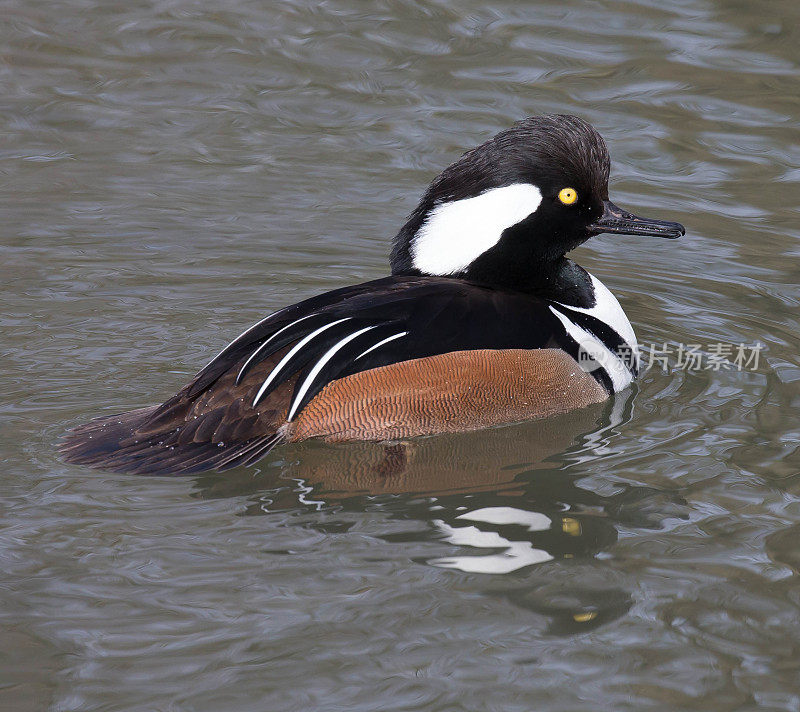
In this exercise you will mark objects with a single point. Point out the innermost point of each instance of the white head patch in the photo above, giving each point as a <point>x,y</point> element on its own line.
<point>457,233</point>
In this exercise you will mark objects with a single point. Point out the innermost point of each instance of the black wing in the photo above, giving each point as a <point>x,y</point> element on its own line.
<point>380,323</point>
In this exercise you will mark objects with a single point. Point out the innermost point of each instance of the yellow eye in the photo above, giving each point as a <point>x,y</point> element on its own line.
<point>568,195</point>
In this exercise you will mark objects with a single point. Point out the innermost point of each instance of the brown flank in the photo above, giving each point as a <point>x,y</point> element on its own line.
<point>452,392</point>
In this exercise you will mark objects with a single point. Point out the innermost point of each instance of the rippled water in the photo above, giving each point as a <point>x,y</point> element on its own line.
<point>172,171</point>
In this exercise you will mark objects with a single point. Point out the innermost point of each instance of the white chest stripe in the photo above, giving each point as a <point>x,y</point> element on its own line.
<point>319,365</point>
<point>617,371</point>
<point>608,310</point>
<point>455,234</point>
<point>290,355</point>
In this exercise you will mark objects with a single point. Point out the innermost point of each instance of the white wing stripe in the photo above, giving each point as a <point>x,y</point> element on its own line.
<point>261,348</point>
<point>289,356</point>
<point>380,343</point>
<point>244,333</point>
<point>321,364</point>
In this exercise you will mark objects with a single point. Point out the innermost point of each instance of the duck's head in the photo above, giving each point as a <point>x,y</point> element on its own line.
<point>508,209</point>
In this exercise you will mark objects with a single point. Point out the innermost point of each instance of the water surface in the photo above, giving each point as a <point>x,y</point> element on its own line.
<point>173,171</point>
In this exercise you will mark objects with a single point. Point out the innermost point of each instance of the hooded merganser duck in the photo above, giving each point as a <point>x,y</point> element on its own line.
<point>483,321</point>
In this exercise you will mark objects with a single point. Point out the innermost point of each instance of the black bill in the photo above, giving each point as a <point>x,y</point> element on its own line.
<point>617,220</point>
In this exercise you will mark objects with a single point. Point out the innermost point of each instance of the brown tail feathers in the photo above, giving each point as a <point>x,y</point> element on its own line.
<point>128,443</point>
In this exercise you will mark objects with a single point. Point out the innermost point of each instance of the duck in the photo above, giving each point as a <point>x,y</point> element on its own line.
<point>483,321</point>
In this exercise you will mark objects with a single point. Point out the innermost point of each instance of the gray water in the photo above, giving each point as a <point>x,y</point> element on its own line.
<point>172,171</point>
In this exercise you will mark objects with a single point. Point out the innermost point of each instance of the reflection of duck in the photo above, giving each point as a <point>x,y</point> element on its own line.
<point>457,462</point>
<point>521,538</point>
<point>503,539</point>
<point>483,321</point>
<point>497,509</point>
<point>574,609</point>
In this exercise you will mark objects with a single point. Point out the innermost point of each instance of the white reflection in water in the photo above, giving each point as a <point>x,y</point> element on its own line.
<point>516,554</point>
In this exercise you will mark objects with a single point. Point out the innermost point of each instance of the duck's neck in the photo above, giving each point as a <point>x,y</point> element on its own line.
<point>565,282</point>
<point>559,280</point>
